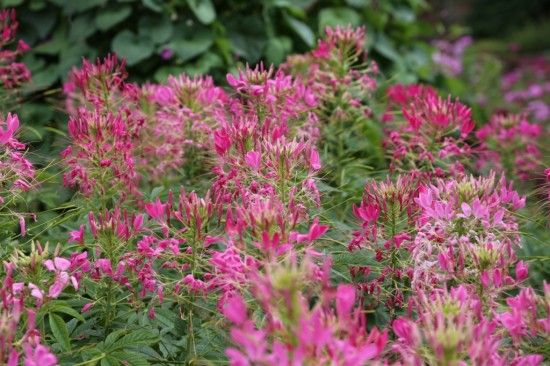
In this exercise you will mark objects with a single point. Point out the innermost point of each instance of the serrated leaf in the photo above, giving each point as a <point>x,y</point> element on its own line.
<point>110,17</point>
<point>203,9</point>
<point>130,358</point>
<point>112,337</point>
<point>60,331</point>
<point>137,338</point>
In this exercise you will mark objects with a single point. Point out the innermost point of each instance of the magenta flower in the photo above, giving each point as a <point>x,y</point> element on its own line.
<point>38,355</point>
<point>77,236</point>
<point>253,159</point>
<point>12,124</point>
<point>156,209</point>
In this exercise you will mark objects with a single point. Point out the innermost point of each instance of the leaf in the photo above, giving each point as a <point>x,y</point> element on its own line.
<point>60,331</point>
<point>80,28</point>
<point>156,192</point>
<point>203,10</point>
<point>331,17</point>
<point>130,358</point>
<point>60,308</point>
<point>277,48</point>
<point>187,49</point>
<point>72,7</point>
<point>113,336</point>
<point>386,48</point>
<point>153,5</point>
<point>110,17</point>
<point>134,48</point>
<point>159,29</point>
<point>142,337</point>
<point>301,29</point>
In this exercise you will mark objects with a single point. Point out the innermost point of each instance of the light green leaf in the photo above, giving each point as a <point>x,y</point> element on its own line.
<point>301,29</point>
<point>277,48</point>
<point>203,10</point>
<point>60,308</point>
<point>331,17</point>
<point>110,17</point>
<point>134,48</point>
<point>187,49</point>
<point>159,29</point>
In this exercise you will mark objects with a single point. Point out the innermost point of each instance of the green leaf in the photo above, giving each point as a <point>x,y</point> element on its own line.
<point>130,358</point>
<point>110,17</point>
<point>80,28</point>
<point>187,49</point>
<point>61,308</point>
<point>154,5</point>
<point>331,17</point>
<point>133,47</point>
<point>72,7</point>
<point>204,63</point>
<point>142,337</point>
<point>203,10</point>
<point>302,30</point>
<point>60,331</point>
<point>386,48</point>
<point>159,29</point>
<point>11,3</point>
<point>277,48</point>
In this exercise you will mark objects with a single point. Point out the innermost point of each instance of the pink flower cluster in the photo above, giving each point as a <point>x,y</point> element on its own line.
<point>448,55</point>
<point>434,250</point>
<point>431,137</point>
<point>12,73</point>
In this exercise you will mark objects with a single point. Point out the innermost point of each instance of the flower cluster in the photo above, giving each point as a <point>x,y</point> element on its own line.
<point>509,143</point>
<point>209,226</point>
<point>12,73</point>
<point>430,139</point>
<point>295,333</point>
<point>448,55</point>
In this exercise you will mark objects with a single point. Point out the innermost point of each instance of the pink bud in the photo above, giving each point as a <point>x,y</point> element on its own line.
<point>522,271</point>
<point>314,160</point>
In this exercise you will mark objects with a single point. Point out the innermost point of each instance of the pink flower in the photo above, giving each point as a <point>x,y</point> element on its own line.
<point>235,309</point>
<point>314,160</point>
<point>345,298</point>
<point>406,331</point>
<point>253,159</point>
<point>38,355</point>
<point>22,226</point>
<point>12,124</point>
<point>156,209</point>
<point>222,142</point>
<point>77,236</point>
<point>522,271</point>
<point>368,213</point>
<point>315,232</point>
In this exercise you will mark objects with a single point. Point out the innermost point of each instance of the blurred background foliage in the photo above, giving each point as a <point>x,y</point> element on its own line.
<point>214,37</point>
